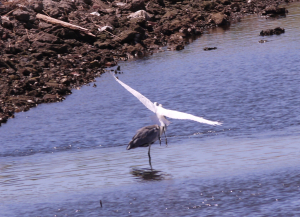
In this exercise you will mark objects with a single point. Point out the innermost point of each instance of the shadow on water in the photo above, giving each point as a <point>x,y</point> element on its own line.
<point>146,174</point>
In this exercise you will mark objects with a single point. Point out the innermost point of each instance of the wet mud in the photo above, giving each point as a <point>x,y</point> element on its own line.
<point>43,59</point>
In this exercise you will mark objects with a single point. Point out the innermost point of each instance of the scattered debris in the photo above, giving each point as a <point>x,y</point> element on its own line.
<point>64,24</point>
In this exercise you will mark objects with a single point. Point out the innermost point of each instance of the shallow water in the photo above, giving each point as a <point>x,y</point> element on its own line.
<point>63,158</point>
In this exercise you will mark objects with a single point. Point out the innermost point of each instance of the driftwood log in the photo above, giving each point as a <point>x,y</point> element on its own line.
<point>64,24</point>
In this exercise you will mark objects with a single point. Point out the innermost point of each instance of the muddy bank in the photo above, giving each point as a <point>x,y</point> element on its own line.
<point>42,61</point>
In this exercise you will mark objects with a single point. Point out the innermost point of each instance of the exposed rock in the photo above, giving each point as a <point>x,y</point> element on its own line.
<point>127,36</point>
<point>21,15</point>
<point>235,7</point>
<point>103,45</point>
<point>88,2</point>
<point>47,38</point>
<point>176,47</point>
<point>139,14</point>
<point>225,2</point>
<point>38,6</point>
<point>136,5</point>
<point>276,31</point>
<point>6,23</point>
<point>219,19</point>
<point>273,10</point>
<point>50,98</point>
<point>209,48</point>
<point>106,28</point>
<point>95,13</point>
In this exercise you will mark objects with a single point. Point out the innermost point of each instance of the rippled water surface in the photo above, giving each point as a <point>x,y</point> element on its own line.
<point>63,158</point>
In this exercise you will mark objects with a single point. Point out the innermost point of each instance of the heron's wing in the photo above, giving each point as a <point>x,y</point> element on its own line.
<point>140,97</point>
<point>182,115</point>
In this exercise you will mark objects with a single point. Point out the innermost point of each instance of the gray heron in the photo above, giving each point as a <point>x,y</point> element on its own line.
<point>145,137</point>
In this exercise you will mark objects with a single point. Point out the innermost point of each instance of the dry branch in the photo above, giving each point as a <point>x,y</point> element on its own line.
<point>64,24</point>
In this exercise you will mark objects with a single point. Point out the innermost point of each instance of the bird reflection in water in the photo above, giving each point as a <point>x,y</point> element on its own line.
<point>148,174</point>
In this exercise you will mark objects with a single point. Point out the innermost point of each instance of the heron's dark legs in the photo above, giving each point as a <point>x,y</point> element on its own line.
<point>149,157</point>
<point>166,137</point>
<point>159,140</point>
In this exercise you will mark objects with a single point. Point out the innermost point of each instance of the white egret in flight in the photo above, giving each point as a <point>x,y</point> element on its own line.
<point>162,113</point>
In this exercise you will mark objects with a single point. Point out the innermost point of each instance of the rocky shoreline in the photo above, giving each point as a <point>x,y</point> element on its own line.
<point>42,60</point>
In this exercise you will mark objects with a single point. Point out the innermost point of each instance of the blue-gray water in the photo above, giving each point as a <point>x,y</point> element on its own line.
<point>61,159</point>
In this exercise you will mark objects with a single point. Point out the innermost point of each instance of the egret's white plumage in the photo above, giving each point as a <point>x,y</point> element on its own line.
<point>161,112</point>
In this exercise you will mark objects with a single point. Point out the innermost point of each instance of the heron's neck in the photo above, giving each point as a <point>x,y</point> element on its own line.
<point>163,121</point>
<point>161,130</point>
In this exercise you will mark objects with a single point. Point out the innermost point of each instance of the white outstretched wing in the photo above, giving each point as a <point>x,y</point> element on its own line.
<point>160,111</point>
<point>182,115</point>
<point>140,97</point>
